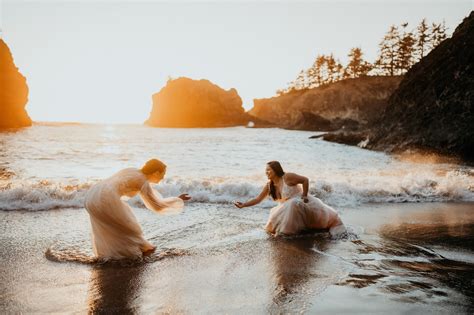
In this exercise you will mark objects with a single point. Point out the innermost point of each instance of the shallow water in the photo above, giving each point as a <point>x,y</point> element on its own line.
<point>215,258</point>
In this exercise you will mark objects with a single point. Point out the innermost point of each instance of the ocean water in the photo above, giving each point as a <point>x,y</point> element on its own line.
<point>52,166</point>
<point>410,223</point>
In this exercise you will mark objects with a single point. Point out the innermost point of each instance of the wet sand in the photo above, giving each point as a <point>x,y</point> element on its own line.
<point>399,258</point>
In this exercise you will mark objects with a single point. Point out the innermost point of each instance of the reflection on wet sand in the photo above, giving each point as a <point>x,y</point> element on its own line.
<point>445,239</point>
<point>420,257</point>
<point>444,226</point>
<point>402,261</point>
<point>294,263</point>
<point>115,289</point>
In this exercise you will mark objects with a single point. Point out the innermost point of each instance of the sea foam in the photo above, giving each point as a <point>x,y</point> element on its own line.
<point>340,192</point>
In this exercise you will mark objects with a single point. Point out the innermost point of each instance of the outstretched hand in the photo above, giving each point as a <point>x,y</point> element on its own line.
<point>239,204</point>
<point>184,197</point>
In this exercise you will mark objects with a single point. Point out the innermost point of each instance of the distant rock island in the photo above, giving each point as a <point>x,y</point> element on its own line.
<point>13,92</point>
<point>432,109</point>
<point>343,104</point>
<point>188,103</point>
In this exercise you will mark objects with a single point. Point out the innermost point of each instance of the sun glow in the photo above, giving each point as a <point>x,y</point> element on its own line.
<point>102,62</point>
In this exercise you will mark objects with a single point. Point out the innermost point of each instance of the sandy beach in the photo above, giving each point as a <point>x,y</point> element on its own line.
<point>398,258</point>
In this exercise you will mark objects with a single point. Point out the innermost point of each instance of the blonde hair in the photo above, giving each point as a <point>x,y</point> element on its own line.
<point>153,166</point>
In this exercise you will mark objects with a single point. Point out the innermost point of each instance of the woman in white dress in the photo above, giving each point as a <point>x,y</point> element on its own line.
<point>296,211</point>
<point>115,231</point>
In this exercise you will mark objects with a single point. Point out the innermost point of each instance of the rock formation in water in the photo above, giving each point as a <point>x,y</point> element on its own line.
<point>187,103</point>
<point>346,103</point>
<point>13,92</point>
<point>433,106</point>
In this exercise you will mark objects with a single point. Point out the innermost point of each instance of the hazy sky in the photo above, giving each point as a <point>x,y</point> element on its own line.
<point>100,61</point>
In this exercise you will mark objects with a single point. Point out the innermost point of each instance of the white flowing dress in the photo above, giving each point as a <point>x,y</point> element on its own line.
<point>292,215</point>
<point>115,231</point>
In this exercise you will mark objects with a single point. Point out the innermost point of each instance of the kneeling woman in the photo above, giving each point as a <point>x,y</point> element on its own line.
<point>115,231</point>
<point>296,211</point>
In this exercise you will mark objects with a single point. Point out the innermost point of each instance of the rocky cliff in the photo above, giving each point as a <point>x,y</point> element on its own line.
<point>433,106</point>
<point>187,103</point>
<point>13,92</point>
<point>340,104</point>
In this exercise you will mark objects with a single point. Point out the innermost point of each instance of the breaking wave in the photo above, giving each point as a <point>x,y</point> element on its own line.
<point>453,186</point>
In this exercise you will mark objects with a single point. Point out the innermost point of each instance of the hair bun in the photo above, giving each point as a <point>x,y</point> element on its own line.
<point>153,166</point>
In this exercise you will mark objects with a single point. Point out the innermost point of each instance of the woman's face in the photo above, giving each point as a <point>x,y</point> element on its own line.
<point>270,172</point>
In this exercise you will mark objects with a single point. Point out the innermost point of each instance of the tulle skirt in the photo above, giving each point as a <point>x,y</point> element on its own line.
<point>294,216</point>
<point>115,231</point>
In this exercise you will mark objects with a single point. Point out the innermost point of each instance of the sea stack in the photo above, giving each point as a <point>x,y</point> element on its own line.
<point>13,92</point>
<point>188,103</point>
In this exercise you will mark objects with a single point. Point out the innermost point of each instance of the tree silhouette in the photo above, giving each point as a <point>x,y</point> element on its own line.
<point>316,73</point>
<point>405,57</point>
<point>357,66</point>
<point>438,33</point>
<point>422,39</point>
<point>388,51</point>
<point>398,51</point>
<point>335,69</point>
<point>301,82</point>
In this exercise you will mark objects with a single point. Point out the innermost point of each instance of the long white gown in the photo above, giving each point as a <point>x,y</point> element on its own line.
<point>292,215</point>
<point>115,231</point>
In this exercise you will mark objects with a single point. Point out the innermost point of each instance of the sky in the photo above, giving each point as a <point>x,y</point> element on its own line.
<point>101,61</point>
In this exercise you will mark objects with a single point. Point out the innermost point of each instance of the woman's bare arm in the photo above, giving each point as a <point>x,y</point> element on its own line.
<point>255,200</point>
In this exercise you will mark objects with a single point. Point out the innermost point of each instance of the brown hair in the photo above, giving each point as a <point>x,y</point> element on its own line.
<point>276,167</point>
<point>153,166</point>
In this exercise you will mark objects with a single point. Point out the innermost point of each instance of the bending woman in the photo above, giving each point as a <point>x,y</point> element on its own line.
<point>296,211</point>
<point>115,231</point>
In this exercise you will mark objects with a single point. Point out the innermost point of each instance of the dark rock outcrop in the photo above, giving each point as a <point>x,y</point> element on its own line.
<point>310,121</point>
<point>433,106</point>
<point>187,103</point>
<point>359,138</point>
<point>313,122</point>
<point>13,92</point>
<point>349,103</point>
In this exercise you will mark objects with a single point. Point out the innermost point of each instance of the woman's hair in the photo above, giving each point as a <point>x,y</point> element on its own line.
<point>276,167</point>
<point>153,166</point>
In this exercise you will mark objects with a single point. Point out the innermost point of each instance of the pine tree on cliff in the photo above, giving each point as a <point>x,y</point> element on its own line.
<point>334,69</point>
<point>290,87</point>
<point>311,74</point>
<point>325,69</point>
<point>301,81</point>
<point>316,73</point>
<point>438,33</point>
<point>340,70</point>
<point>405,52</point>
<point>422,40</point>
<point>388,51</point>
<point>357,66</point>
